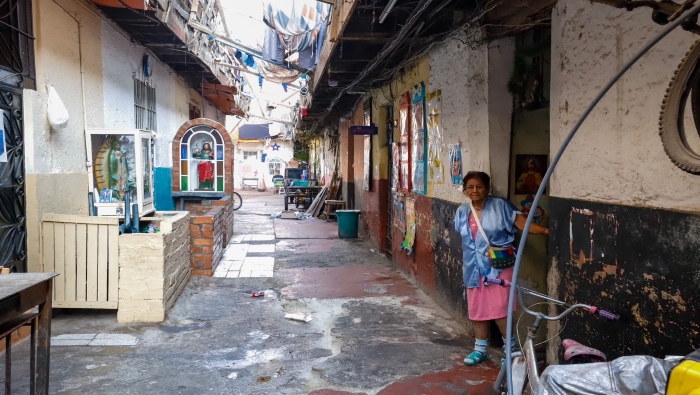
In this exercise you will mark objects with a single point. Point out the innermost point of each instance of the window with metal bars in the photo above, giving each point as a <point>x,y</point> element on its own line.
<point>145,105</point>
<point>16,41</point>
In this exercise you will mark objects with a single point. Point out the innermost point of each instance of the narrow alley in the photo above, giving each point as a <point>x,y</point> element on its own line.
<point>372,332</point>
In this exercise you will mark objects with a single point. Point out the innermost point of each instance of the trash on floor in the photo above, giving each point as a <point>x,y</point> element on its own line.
<point>259,294</point>
<point>303,317</point>
<point>264,379</point>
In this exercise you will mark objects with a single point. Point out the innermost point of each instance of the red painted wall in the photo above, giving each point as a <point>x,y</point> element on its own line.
<point>420,264</point>
<point>374,212</point>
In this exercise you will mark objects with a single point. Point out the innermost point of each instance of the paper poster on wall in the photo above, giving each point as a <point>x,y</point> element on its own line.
<point>3,146</point>
<point>404,142</point>
<point>395,165</point>
<point>410,226</point>
<point>399,213</point>
<point>435,145</point>
<point>418,140</point>
<point>456,164</point>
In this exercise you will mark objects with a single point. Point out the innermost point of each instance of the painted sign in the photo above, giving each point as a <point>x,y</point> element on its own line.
<point>363,130</point>
<point>435,145</point>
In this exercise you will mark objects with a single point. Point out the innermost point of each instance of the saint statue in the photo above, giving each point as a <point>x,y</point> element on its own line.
<point>205,169</point>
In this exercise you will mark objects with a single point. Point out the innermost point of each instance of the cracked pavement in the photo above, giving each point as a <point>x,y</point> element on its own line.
<point>372,332</point>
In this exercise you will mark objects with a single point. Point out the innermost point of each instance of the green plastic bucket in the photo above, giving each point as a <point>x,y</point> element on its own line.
<point>347,223</point>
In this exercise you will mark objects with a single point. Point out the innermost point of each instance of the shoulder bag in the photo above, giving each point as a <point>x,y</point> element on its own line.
<point>501,258</point>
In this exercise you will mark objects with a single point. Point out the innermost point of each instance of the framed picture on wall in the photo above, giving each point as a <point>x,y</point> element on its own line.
<point>529,171</point>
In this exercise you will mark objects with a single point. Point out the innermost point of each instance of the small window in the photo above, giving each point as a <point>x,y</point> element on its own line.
<point>275,167</point>
<point>145,105</point>
<point>250,154</point>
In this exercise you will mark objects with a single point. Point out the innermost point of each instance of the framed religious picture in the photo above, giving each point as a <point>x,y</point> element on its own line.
<point>529,171</point>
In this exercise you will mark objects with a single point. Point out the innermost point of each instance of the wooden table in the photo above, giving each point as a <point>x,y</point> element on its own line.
<point>20,292</point>
<point>297,195</point>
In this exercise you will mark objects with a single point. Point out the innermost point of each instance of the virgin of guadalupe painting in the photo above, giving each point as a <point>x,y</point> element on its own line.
<point>530,170</point>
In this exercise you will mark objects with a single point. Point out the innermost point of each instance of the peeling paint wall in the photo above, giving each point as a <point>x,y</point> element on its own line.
<point>639,262</point>
<point>616,238</point>
<point>616,156</point>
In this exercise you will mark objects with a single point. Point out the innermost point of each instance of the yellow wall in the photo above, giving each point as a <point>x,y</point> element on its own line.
<point>388,95</point>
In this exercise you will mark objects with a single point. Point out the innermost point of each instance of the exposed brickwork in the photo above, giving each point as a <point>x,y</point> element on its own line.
<point>228,152</point>
<point>207,233</point>
<point>227,203</point>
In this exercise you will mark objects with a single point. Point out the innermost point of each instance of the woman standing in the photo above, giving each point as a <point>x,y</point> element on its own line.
<point>488,225</point>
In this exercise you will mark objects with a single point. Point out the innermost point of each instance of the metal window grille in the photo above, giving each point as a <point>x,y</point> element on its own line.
<point>145,105</point>
<point>16,41</point>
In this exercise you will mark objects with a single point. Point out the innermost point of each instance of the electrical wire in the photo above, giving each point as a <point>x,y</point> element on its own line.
<point>531,216</point>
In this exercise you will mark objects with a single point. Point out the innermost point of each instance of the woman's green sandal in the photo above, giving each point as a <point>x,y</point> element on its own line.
<point>474,358</point>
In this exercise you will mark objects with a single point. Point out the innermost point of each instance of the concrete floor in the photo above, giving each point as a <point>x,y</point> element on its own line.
<point>372,331</point>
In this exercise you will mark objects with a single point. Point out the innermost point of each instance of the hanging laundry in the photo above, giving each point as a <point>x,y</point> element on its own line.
<point>273,49</point>
<point>284,86</point>
<point>300,26</point>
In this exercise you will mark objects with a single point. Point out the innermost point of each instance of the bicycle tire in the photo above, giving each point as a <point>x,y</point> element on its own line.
<point>684,84</point>
<point>237,201</point>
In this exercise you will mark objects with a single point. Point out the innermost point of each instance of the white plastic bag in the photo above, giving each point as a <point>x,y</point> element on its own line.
<point>57,112</point>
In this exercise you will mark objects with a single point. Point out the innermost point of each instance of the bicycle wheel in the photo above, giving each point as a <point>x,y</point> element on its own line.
<point>684,86</point>
<point>519,377</point>
<point>237,201</point>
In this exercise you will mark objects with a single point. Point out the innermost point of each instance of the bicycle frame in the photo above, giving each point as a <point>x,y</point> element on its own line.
<point>525,363</point>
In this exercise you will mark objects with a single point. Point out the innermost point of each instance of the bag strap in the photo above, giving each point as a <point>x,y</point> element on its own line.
<point>478,223</point>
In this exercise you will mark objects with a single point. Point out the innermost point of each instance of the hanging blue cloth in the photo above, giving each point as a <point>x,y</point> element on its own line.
<point>260,80</point>
<point>284,86</point>
<point>250,62</point>
<point>273,49</point>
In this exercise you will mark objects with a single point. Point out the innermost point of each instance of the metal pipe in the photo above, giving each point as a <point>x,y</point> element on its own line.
<point>553,165</point>
<point>387,10</point>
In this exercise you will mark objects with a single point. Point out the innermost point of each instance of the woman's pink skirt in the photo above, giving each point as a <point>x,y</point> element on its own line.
<point>489,302</point>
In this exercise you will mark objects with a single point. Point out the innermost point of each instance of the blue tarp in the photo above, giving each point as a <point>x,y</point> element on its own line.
<point>254,131</point>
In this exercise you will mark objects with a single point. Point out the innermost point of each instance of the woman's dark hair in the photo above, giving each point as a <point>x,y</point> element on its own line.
<point>483,177</point>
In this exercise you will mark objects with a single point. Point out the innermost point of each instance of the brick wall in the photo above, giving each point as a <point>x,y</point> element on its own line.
<point>207,236</point>
<point>153,270</point>
<point>227,203</point>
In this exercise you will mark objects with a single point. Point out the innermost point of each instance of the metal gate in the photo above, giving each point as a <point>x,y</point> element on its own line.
<point>13,235</point>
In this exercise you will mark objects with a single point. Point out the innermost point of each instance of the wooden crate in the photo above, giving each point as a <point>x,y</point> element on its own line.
<point>84,251</point>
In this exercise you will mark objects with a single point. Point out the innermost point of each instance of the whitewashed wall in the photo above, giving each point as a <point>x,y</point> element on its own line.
<point>617,155</point>
<point>56,172</point>
<point>476,109</point>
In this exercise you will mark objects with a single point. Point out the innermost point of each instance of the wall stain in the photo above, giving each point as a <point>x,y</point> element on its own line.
<point>637,262</point>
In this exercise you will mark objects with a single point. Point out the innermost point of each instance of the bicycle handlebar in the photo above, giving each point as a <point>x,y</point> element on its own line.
<point>592,309</point>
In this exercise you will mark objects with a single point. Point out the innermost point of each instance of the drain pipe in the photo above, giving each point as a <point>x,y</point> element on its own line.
<point>88,160</point>
<point>511,297</point>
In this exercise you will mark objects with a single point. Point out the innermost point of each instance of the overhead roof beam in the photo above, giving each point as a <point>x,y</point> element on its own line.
<point>342,11</point>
